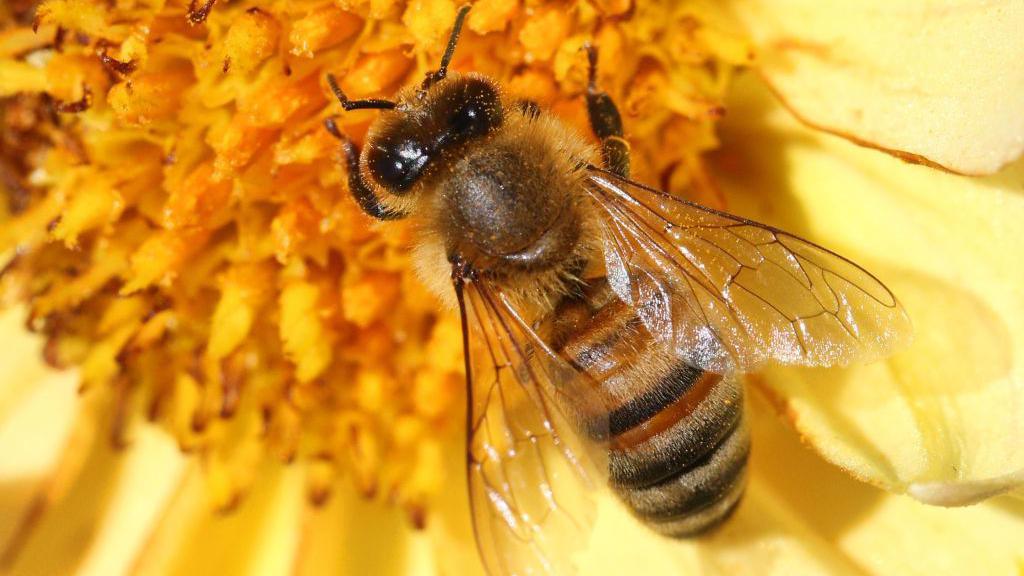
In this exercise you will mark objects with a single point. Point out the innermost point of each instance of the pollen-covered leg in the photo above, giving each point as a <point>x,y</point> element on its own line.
<point>364,196</point>
<point>606,122</point>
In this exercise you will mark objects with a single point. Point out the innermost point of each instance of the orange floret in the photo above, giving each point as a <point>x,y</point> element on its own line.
<point>613,7</point>
<point>491,15</point>
<point>198,201</point>
<point>237,145</point>
<point>366,295</point>
<point>244,290</point>
<point>296,223</point>
<point>278,101</point>
<point>161,257</point>
<point>95,202</point>
<point>375,72</point>
<point>68,76</point>
<point>429,20</point>
<point>323,28</point>
<point>250,41</point>
<point>88,16</point>
<point>304,334</point>
<point>151,96</point>
<point>544,32</point>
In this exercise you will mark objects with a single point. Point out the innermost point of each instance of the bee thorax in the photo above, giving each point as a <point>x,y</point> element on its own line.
<point>507,208</point>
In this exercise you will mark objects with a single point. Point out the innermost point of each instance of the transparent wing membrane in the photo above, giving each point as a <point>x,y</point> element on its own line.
<point>731,294</point>
<point>530,474</point>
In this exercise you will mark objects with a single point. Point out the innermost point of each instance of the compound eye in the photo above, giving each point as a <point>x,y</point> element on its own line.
<point>478,112</point>
<point>398,164</point>
<point>470,120</point>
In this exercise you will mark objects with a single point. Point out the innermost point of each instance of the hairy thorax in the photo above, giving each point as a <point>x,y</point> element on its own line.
<point>504,209</point>
<point>514,207</point>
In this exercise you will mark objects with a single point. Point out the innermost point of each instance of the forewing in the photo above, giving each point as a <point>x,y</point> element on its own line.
<point>729,293</point>
<point>530,475</point>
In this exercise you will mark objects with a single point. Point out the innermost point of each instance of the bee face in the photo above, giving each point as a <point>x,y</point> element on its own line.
<point>428,125</point>
<point>489,179</point>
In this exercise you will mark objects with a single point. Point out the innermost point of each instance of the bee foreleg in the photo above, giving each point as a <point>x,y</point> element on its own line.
<point>363,194</point>
<point>606,122</point>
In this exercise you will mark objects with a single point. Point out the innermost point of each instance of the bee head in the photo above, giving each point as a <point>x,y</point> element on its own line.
<point>426,125</point>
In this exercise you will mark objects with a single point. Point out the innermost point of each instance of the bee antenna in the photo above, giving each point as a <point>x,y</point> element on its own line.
<point>331,124</point>
<point>369,103</point>
<point>449,51</point>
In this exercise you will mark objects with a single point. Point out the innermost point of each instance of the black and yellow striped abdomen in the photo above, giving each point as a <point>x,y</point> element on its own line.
<point>678,441</point>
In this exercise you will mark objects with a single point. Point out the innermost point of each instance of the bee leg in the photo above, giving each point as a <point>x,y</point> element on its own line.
<point>363,194</point>
<point>606,122</point>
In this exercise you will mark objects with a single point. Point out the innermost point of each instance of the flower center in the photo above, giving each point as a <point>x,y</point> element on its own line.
<point>181,232</point>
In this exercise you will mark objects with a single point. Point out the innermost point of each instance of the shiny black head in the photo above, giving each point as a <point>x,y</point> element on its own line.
<point>497,181</point>
<point>407,141</point>
<point>426,123</point>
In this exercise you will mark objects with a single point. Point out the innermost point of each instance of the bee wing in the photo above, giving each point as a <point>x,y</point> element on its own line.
<point>529,473</point>
<point>728,293</point>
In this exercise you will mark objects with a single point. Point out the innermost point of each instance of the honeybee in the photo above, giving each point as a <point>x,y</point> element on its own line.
<point>608,319</point>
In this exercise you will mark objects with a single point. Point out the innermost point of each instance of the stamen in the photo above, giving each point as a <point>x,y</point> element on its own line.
<point>80,105</point>
<point>198,15</point>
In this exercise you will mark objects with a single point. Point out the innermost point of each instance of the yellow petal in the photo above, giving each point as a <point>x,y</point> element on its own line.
<point>449,527</point>
<point>351,536</point>
<point>153,468</point>
<point>68,482</point>
<point>22,371</point>
<point>259,537</point>
<point>934,82</point>
<point>66,509</point>
<point>881,533</point>
<point>941,419</point>
<point>42,407</point>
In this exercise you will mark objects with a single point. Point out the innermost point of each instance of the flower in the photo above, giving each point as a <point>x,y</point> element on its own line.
<point>184,238</point>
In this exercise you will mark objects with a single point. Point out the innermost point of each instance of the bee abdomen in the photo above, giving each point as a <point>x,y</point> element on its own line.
<point>699,497</point>
<point>682,470</point>
<point>682,433</point>
<point>676,435</point>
